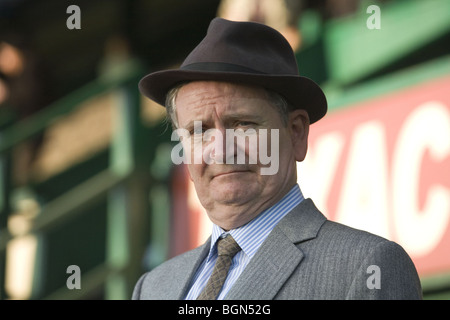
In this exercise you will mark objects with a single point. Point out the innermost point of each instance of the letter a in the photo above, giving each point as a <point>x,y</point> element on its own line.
<point>74,21</point>
<point>374,281</point>
<point>374,21</point>
<point>73,282</point>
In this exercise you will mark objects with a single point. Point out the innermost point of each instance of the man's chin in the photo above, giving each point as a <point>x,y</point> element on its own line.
<point>234,193</point>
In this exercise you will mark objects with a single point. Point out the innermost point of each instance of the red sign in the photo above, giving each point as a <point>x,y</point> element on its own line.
<point>384,166</point>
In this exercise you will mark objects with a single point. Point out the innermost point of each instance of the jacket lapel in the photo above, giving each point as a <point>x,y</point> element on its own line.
<point>278,256</point>
<point>183,277</point>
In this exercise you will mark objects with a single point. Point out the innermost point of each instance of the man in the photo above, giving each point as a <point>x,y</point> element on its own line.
<point>243,77</point>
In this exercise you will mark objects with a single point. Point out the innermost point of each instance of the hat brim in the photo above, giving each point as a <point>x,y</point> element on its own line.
<point>301,92</point>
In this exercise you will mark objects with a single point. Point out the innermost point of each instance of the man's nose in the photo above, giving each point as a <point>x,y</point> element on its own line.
<point>220,150</point>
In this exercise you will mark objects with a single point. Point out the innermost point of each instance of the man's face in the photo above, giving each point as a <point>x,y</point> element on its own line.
<point>234,194</point>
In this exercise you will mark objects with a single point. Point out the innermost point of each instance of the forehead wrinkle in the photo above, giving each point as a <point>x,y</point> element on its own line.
<point>205,109</point>
<point>207,101</point>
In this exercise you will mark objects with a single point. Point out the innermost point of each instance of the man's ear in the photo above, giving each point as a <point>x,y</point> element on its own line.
<point>299,128</point>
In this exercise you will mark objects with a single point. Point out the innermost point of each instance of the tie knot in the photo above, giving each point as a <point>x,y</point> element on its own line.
<point>227,246</point>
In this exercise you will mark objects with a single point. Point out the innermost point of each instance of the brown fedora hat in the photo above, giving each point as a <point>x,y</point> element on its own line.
<point>242,52</point>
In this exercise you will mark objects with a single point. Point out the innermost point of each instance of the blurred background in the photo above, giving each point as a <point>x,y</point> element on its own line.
<point>85,172</point>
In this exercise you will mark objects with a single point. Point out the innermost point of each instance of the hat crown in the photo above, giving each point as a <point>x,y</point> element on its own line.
<point>248,46</point>
<point>247,53</point>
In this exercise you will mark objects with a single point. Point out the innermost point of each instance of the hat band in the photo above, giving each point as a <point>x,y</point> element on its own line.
<point>218,67</point>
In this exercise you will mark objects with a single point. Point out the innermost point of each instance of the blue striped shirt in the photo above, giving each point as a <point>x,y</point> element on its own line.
<point>249,237</point>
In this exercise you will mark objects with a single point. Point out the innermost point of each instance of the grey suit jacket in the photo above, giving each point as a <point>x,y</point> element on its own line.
<point>305,256</point>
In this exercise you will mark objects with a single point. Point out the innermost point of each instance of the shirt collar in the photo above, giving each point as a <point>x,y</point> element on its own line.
<point>251,235</point>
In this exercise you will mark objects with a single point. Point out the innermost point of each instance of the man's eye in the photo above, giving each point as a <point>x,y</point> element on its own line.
<point>199,130</point>
<point>245,123</point>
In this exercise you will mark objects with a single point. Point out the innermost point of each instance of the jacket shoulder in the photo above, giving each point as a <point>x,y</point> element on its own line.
<point>371,266</point>
<point>167,280</point>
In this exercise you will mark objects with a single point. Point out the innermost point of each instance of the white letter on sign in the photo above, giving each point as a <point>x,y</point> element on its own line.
<point>427,128</point>
<point>363,203</point>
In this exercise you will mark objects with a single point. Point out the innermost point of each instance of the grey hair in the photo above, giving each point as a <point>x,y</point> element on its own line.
<point>278,101</point>
<point>171,106</point>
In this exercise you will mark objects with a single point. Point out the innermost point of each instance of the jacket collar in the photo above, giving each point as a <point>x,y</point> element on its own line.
<point>271,265</point>
<point>278,256</point>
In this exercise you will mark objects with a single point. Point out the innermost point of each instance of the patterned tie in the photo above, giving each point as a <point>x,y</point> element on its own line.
<point>226,248</point>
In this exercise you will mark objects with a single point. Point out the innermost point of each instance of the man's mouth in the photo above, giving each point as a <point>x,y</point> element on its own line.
<point>229,173</point>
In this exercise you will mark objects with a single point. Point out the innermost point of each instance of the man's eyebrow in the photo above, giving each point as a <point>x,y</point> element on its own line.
<point>242,116</point>
<point>227,118</point>
<point>192,122</point>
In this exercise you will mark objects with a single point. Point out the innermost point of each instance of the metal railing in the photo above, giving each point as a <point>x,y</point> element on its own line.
<point>127,215</point>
